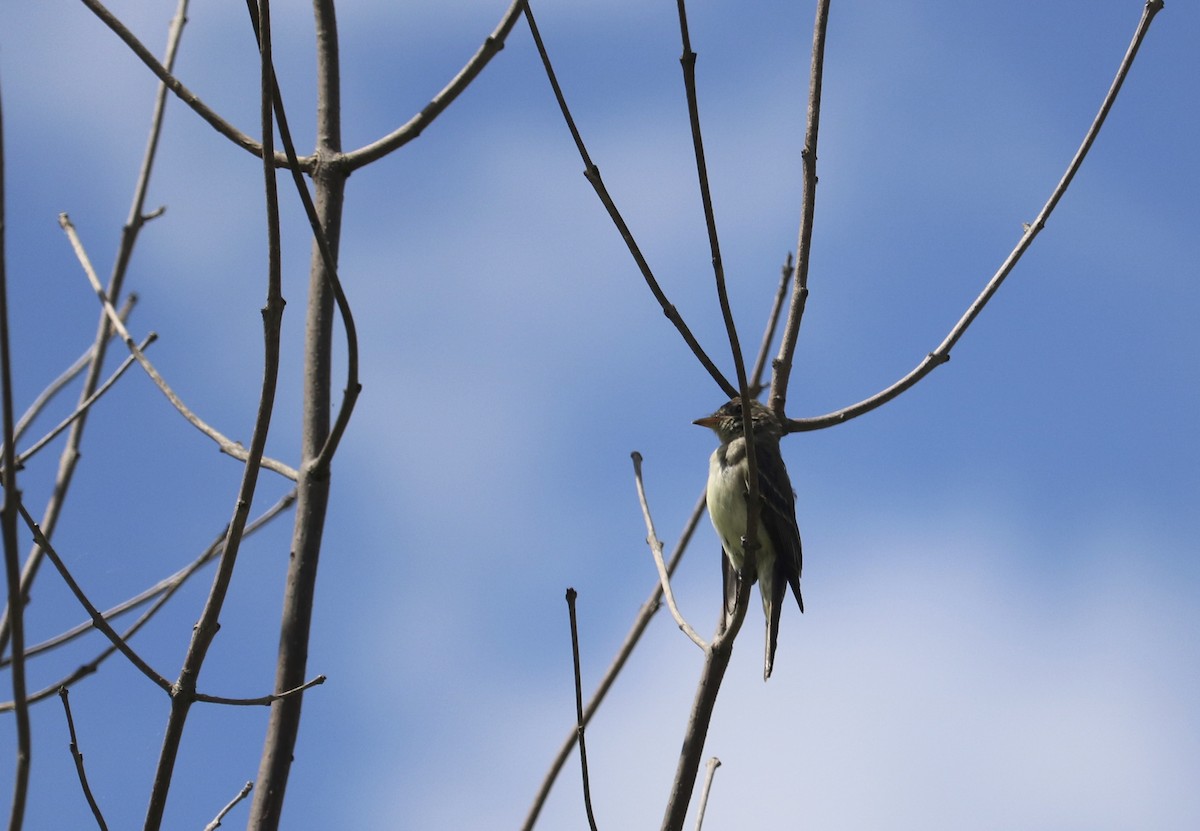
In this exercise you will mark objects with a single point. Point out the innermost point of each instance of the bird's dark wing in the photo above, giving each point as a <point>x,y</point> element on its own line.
<point>729,584</point>
<point>778,517</point>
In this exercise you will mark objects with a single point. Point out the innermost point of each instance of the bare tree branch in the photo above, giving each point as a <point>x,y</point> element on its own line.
<point>262,700</point>
<point>579,722</point>
<point>656,547</point>
<point>415,125</point>
<point>647,611</point>
<point>313,485</point>
<point>764,348</point>
<point>8,530</point>
<point>227,446</point>
<point>184,691</point>
<point>84,405</point>
<point>709,771</point>
<point>715,663</point>
<point>97,619</point>
<point>69,374</point>
<point>242,794</point>
<point>182,92</point>
<point>165,587</point>
<point>78,757</point>
<point>941,354</point>
<point>808,190</point>
<point>592,173</point>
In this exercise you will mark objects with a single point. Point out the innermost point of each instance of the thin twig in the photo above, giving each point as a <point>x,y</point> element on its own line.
<point>8,530</point>
<point>262,700</point>
<point>710,770</point>
<point>587,788</point>
<point>242,794</point>
<point>162,593</point>
<point>227,446</point>
<point>941,354</point>
<point>645,614</point>
<point>415,125</point>
<point>688,62</point>
<point>78,756</point>
<point>84,405</point>
<point>59,384</point>
<point>97,619</point>
<point>592,173</point>
<point>182,92</point>
<point>764,348</point>
<point>166,586</point>
<point>656,547</point>
<point>808,202</point>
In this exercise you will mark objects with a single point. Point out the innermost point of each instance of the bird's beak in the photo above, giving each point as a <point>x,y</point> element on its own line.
<point>708,421</point>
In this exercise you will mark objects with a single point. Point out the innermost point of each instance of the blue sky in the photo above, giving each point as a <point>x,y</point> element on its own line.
<point>1001,574</point>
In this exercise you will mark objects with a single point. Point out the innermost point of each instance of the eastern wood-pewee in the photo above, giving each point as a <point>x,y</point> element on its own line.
<point>777,561</point>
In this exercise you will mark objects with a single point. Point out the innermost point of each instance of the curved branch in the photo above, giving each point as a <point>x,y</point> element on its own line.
<point>414,126</point>
<point>941,354</point>
<point>656,547</point>
<point>262,700</point>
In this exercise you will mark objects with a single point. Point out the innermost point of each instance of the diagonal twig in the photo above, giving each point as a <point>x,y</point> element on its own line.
<point>97,619</point>
<point>415,125</point>
<point>182,92</point>
<point>69,374</point>
<point>84,405</point>
<point>656,547</point>
<point>227,446</point>
<point>78,757</point>
<point>592,173</point>
<point>242,794</point>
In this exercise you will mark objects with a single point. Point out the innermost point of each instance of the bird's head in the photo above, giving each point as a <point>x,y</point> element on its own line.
<point>727,421</point>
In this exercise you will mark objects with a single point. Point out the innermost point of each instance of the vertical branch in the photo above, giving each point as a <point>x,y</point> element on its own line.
<point>8,529</point>
<point>715,663</point>
<point>184,689</point>
<point>313,485</point>
<point>808,155</point>
<point>579,723</point>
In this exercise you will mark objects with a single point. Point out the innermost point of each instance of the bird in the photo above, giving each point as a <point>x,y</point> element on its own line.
<point>776,563</point>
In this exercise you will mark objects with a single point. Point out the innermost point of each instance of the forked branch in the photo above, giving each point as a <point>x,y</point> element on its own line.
<point>941,354</point>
